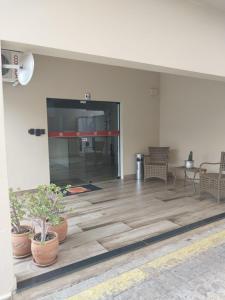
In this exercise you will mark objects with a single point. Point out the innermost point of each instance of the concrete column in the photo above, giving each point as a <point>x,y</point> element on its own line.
<point>7,279</point>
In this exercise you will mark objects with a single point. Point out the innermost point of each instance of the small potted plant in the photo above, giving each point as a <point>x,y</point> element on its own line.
<point>190,162</point>
<point>21,242</point>
<point>59,223</point>
<point>42,207</point>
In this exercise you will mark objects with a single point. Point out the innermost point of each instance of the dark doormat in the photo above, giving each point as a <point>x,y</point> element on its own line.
<point>84,188</point>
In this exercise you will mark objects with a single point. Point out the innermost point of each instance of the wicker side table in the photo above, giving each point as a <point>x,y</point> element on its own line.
<point>187,171</point>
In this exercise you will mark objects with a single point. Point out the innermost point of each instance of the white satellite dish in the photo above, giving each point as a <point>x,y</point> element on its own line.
<point>25,68</point>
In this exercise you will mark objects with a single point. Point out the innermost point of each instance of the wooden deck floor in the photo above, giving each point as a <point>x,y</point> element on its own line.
<point>120,214</point>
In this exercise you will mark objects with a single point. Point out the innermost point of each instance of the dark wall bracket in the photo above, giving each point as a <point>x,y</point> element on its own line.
<point>36,132</point>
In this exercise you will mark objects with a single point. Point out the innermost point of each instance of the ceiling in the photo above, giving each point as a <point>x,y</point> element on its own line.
<point>218,4</point>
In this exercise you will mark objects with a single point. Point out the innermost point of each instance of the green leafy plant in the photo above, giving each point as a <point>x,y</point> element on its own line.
<point>45,206</point>
<point>190,157</point>
<point>17,211</point>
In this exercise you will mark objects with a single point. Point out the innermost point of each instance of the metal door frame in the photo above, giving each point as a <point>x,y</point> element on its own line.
<point>119,154</point>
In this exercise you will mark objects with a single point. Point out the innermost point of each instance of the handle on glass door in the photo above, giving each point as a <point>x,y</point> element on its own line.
<point>36,132</point>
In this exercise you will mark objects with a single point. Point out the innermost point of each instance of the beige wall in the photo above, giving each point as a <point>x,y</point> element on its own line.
<point>192,117</point>
<point>191,114</point>
<point>25,107</point>
<point>177,34</point>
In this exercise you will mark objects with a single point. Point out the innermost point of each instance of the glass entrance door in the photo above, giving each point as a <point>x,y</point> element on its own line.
<point>83,141</point>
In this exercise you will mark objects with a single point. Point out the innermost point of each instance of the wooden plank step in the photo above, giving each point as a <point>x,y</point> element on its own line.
<point>78,239</point>
<point>27,269</point>
<point>135,235</point>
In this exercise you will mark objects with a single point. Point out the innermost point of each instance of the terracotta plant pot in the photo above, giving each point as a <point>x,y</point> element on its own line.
<point>21,243</point>
<point>61,229</point>
<point>45,254</point>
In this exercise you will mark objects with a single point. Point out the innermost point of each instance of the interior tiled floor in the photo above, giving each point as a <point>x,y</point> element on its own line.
<point>120,214</point>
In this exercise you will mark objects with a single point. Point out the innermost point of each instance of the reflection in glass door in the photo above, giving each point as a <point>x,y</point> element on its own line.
<point>83,141</point>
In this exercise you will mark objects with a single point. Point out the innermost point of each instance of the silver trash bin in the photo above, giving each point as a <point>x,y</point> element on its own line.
<point>139,166</point>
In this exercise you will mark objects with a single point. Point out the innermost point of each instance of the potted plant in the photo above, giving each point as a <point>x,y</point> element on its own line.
<point>43,206</point>
<point>21,242</point>
<point>190,162</point>
<point>59,223</point>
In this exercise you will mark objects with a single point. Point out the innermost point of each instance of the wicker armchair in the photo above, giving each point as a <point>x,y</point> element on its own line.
<point>156,163</point>
<point>213,183</point>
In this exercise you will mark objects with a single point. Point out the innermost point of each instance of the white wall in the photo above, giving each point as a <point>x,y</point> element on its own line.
<point>192,117</point>
<point>177,34</point>
<point>25,107</point>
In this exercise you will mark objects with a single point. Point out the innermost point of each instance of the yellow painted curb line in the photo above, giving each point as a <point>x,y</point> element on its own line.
<point>128,279</point>
<point>113,286</point>
<point>180,255</point>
